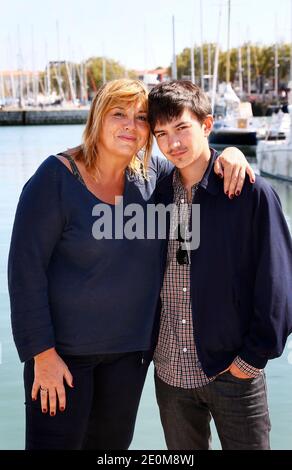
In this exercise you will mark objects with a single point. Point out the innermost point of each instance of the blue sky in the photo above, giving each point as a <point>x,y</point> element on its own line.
<point>136,33</point>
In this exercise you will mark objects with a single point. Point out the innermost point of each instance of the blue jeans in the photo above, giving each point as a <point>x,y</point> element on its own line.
<point>238,406</point>
<point>101,408</point>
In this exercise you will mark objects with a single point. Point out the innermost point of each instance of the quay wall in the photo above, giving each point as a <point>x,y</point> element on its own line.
<point>25,117</point>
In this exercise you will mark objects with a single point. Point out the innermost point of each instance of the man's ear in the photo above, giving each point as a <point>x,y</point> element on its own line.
<point>208,125</point>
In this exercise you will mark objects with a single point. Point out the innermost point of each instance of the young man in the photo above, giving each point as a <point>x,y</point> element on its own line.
<point>227,305</point>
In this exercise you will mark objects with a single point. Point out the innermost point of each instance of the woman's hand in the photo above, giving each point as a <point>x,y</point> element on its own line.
<point>233,166</point>
<point>49,374</point>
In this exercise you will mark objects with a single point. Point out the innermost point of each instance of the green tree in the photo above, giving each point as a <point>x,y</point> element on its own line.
<point>113,69</point>
<point>262,61</point>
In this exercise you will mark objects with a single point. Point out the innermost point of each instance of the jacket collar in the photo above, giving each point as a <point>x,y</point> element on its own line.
<point>210,181</point>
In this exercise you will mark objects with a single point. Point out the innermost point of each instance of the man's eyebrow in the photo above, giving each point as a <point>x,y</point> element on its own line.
<point>182,123</point>
<point>156,131</point>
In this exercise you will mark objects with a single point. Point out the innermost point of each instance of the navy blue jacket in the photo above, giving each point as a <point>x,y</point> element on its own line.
<point>69,290</point>
<point>241,274</point>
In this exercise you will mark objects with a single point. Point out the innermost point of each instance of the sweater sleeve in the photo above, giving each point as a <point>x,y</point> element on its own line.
<point>272,250</point>
<point>37,228</point>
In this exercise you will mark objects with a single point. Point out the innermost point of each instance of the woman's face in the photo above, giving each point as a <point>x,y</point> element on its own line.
<point>125,130</point>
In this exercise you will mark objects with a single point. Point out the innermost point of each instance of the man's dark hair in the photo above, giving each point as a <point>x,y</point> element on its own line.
<point>168,100</point>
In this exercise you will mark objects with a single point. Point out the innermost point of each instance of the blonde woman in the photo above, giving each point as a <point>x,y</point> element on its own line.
<point>83,306</point>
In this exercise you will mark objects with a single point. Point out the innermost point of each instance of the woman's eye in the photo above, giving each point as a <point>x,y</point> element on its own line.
<point>142,118</point>
<point>119,114</point>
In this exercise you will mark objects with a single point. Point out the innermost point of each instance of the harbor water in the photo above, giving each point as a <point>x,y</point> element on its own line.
<point>22,149</point>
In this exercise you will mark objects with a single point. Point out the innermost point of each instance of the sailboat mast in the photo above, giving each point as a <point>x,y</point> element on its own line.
<point>174,68</point>
<point>20,70</point>
<point>103,70</point>
<point>84,81</point>
<point>70,81</point>
<point>10,66</point>
<point>192,64</point>
<point>209,66</point>
<point>33,68</point>
<point>202,46</point>
<point>228,45</point>
<point>248,69</point>
<point>104,66</point>
<point>291,43</point>
<point>240,70</point>
<point>48,74</point>
<point>216,61</point>
<point>58,68</point>
<point>276,91</point>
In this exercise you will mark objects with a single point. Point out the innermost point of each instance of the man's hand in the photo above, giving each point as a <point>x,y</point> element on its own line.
<point>233,166</point>
<point>49,374</point>
<point>234,370</point>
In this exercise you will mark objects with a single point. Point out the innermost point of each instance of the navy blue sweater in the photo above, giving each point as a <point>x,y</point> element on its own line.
<point>69,290</point>
<point>241,274</point>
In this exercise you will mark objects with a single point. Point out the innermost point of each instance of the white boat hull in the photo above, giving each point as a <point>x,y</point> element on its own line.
<point>275,159</point>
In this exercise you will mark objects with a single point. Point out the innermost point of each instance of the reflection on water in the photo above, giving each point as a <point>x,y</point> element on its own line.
<point>21,151</point>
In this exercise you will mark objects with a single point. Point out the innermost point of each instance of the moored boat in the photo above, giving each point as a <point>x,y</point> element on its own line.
<point>275,157</point>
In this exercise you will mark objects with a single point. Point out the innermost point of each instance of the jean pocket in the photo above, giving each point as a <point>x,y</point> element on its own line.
<point>241,380</point>
<point>230,378</point>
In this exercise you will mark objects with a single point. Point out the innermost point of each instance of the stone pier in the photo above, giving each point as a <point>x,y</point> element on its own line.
<point>42,117</point>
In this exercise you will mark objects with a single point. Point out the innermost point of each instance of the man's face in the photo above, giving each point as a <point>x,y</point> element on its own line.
<point>183,140</point>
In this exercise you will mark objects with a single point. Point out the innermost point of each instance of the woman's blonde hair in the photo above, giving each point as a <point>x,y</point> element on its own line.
<point>110,95</point>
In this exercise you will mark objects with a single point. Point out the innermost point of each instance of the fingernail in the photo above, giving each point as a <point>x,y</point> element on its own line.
<point>33,399</point>
<point>44,410</point>
<point>72,385</point>
<point>231,196</point>
<point>220,175</point>
<point>253,180</point>
<point>227,192</point>
<point>62,408</point>
<point>52,413</point>
<point>237,193</point>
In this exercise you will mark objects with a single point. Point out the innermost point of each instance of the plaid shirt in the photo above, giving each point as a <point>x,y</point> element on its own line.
<point>176,359</point>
